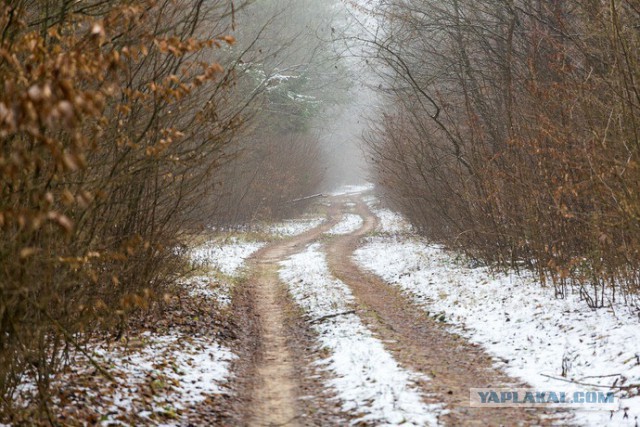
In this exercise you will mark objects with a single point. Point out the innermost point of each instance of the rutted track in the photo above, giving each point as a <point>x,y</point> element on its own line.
<point>277,348</point>
<point>277,381</point>
<point>420,343</point>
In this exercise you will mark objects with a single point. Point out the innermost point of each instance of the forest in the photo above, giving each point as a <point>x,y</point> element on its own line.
<point>512,134</point>
<point>161,157</point>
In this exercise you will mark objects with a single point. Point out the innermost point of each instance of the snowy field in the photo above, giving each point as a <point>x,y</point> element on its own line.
<point>347,225</point>
<point>227,257</point>
<point>367,379</point>
<point>390,222</point>
<point>533,335</point>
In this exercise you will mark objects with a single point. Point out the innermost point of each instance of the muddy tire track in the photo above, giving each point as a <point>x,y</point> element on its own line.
<point>423,345</point>
<point>277,384</point>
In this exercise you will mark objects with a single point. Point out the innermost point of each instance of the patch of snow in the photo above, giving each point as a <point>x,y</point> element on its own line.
<point>371,200</point>
<point>295,227</point>
<point>157,377</point>
<point>349,224</point>
<point>228,258</point>
<point>280,78</point>
<point>520,322</point>
<point>391,222</point>
<point>210,288</point>
<point>185,369</point>
<point>352,189</point>
<point>368,381</point>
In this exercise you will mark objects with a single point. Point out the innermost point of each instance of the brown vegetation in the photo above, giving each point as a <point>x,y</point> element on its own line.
<point>122,127</point>
<point>512,132</point>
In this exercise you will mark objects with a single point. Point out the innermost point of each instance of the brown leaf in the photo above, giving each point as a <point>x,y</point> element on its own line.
<point>62,220</point>
<point>28,252</point>
<point>70,161</point>
<point>229,39</point>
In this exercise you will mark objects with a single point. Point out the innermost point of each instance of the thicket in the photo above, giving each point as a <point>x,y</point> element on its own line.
<point>123,128</point>
<point>511,131</point>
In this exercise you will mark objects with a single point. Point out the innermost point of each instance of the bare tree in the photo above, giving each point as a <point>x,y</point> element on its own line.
<point>511,132</point>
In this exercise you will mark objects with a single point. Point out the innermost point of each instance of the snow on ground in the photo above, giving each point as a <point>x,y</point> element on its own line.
<point>371,200</point>
<point>391,222</point>
<point>157,378</point>
<point>181,371</point>
<point>160,376</point>
<point>210,288</point>
<point>227,257</point>
<point>520,322</point>
<point>349,224</point>
<point>367,380</point>
<point>352,189</point>
<point>294,227</point>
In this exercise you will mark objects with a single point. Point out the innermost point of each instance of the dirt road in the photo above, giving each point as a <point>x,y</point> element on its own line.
<point>423,344</point>
<point>281,385</point>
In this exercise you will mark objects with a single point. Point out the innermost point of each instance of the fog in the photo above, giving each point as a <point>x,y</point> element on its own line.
<point>343,150</point>
<point>341,140</point>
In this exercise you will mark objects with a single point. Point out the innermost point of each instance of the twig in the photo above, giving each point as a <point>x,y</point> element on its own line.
<point>329,316</point>
<point>78,347</point>
<point>307,198</point>
<point>601,376</point>
<point>619,387</point>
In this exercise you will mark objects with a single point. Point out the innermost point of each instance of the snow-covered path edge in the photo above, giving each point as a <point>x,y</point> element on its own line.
<point>366,378</point>
<point>517,321</point>
<point>348,224</point>
<point>226,257</point>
